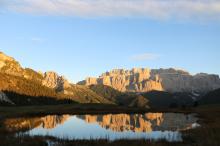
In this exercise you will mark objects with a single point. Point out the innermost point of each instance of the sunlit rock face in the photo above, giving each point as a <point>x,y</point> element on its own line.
<point>53,80</point>
<point>142,123</point>
<point>136,80</point>
<point>181,81</point>
<point>144,80</point>
<point>23,124</point>
<point>9,65</point>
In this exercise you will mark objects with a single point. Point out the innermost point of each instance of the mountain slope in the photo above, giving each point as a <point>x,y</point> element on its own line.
<point>158,99</point>
<point>120,98</point>
<point>107,92</point>
<point>84,94</point>
<point>139,101</point>
<point>212,97</point>
<point>152,99</point>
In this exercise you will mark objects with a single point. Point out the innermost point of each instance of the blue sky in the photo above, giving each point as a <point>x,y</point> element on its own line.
<point>85,38</point>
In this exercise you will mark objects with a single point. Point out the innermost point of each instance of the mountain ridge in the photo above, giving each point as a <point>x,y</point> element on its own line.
<point>18,81</point>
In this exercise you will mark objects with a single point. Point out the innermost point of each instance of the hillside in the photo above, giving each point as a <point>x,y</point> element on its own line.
<point>158,99</point>
<point>107,92</point>
<point>212,97</point>
<point>120,98</point>
<point>26,86</point>
<point>27,92</point>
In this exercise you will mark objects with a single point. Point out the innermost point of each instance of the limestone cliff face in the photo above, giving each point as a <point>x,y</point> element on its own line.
<point>53,80</point>
<point>144,80</point>
<point>136,80</point>
<point>180,81</point>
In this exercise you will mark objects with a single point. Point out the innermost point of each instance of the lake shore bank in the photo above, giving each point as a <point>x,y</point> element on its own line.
<point>73,109</point>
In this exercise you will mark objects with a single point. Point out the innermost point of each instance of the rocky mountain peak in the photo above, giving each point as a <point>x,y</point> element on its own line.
<point>53,80</point>
<point>116,72</point>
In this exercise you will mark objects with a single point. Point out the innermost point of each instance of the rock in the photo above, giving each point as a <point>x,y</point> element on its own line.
<point>9,65</point>
<point>145,80</point>
<point>54,81</point>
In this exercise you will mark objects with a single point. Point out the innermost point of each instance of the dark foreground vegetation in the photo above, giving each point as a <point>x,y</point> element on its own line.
<point>23,111</point>
<point>206,135</point>
<point>26,100</point>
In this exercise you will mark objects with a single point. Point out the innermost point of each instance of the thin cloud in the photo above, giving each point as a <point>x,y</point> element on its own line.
<point>158,9</point>
<point>145,56</point>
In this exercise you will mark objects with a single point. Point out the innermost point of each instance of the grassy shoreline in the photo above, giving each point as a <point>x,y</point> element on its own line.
<point>17,111</point>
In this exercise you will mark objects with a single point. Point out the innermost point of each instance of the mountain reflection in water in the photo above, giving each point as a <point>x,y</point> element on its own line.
<point>152,126</point>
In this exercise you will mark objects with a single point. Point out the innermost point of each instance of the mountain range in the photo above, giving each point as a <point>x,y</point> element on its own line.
<point>145,80</point>
<point>18,82</point>
<point>139,87</point>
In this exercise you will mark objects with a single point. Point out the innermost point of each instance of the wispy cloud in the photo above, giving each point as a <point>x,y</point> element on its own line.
<point>159,9</point>
<point>145,56</point>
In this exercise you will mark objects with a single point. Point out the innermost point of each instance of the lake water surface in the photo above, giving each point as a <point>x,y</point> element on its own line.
<point>152,126</point>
